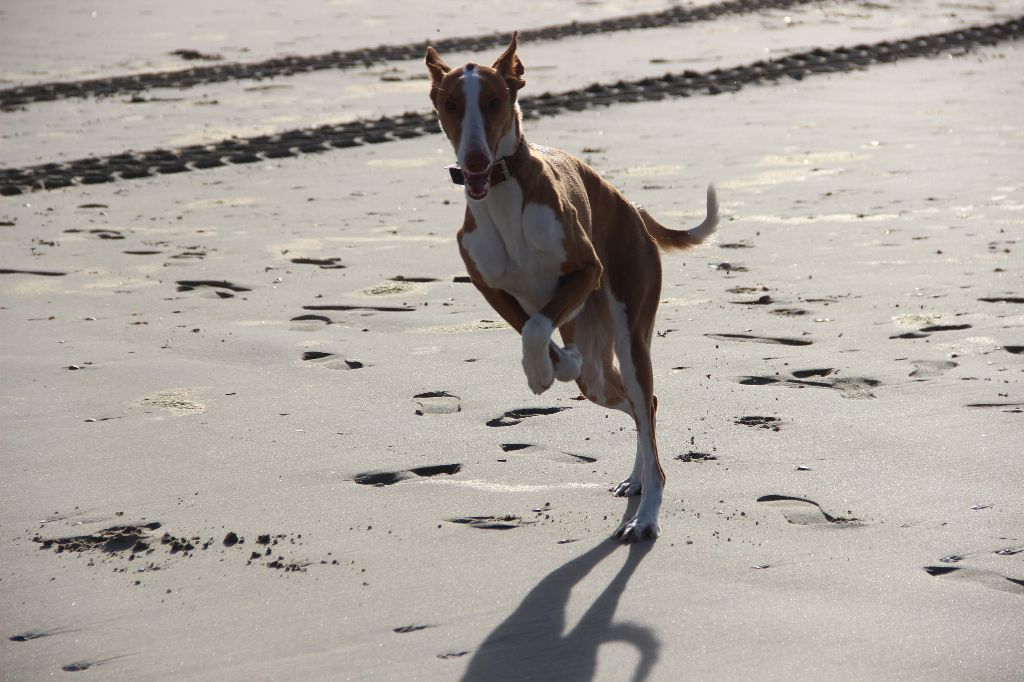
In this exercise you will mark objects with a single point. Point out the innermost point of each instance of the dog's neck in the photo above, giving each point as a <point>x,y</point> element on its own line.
<point>513,148</point>
<point>513,140</point>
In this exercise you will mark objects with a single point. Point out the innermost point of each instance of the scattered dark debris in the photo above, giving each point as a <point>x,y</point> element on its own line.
<point>132,541</point>
<point>771,423</point>
<point>694,456</point>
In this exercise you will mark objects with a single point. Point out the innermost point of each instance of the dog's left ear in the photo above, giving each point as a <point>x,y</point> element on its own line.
<point>511,67</point>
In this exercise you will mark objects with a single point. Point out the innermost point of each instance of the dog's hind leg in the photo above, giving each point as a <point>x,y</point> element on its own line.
<point>632,347</point>
<point>600,380</point>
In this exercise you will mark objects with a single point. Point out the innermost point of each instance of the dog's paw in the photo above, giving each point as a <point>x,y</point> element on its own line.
<point>638,529</point>
<point>631,486</point>
<point>569,364</point>
<point>540,371</point>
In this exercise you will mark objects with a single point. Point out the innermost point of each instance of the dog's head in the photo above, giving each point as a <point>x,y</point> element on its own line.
<point>478,111</point>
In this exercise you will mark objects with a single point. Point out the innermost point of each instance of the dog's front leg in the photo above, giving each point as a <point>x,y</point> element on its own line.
<point>568,300</point>
<point>567,362</point>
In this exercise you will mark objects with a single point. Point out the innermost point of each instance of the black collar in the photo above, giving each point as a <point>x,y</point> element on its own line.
<point>501,169</point>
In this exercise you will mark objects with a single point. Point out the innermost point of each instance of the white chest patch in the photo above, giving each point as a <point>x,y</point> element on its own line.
<point>515,247</point>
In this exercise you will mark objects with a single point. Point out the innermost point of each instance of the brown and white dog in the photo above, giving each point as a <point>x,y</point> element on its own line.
<point>551,245</point>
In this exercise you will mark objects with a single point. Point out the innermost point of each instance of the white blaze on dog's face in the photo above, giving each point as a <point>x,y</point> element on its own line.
<point>477,108</point>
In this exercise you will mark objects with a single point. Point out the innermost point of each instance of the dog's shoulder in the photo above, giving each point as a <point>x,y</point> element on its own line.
<point>557,178</point>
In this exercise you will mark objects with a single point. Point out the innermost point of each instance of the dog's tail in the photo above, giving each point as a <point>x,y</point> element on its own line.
<point>677,240</point>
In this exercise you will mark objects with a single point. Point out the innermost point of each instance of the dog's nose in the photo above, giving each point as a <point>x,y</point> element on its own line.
<point>476,161</point>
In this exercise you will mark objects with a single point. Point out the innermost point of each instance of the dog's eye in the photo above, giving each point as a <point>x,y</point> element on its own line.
<point>450,106</point>
<point>495,104</point>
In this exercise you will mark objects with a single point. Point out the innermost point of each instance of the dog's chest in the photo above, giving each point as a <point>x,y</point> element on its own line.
<point>517,247</point>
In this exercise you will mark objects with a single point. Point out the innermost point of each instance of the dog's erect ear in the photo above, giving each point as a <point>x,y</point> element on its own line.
<point>437,69</point>
<point>435,65</point>
<point>510,66</point>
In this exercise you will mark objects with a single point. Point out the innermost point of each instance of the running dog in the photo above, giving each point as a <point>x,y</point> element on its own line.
<point>552,245</point>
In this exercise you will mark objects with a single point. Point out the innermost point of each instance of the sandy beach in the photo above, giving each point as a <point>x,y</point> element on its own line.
<point>257,424</point>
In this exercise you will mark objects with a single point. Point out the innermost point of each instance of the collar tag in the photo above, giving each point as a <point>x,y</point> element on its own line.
<point>499,172</point>
<point>456,174</point>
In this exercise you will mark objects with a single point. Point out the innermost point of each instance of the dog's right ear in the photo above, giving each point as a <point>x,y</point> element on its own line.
<point>437,68</point>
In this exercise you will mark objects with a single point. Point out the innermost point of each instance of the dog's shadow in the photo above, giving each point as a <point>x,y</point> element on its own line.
<point>530,644</point>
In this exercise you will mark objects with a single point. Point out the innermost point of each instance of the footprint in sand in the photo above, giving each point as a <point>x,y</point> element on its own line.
<point>218,288</point>
<point>310,323</point>
<point>990,579</point>
<point>452,654</point>
<point>513,417</point>
<point>177,401</point>
<point>366,308</point>
<point>1013,408</point>
<point>726,266</point>
<point>40,273</point>
<point>760,300</point>
<point>930,369</point>
<point>383,478</point>
<point>803,512</point>
<point>188,253</point>
<point>490,522</point>
<point>79,666</point>
<point>410,628</point>
<point>109,540</point>
<point>747,338</point>
<point>1002,299</point>
<point>30,635</point>
<point>322,263</point>
<point>552,455</point>
<point>848,387</point>
<point>924,332</point>
<point>437,402</point>
<point>945,328</point>
<point>390,288</point>
<point>101,233</point>
<point>332,361</point>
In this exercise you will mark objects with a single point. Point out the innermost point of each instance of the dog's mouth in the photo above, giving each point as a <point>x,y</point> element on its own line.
<point>477,184</point>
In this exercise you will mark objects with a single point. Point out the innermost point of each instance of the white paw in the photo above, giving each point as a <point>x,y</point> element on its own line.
<point>569,364</point>
<point>540,371</point>
<point>637,529</point>
<point>631,486</point>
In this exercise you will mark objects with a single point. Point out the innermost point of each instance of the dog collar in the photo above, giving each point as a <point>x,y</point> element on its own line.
<point>499,169</point>
<point>499,173</point>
